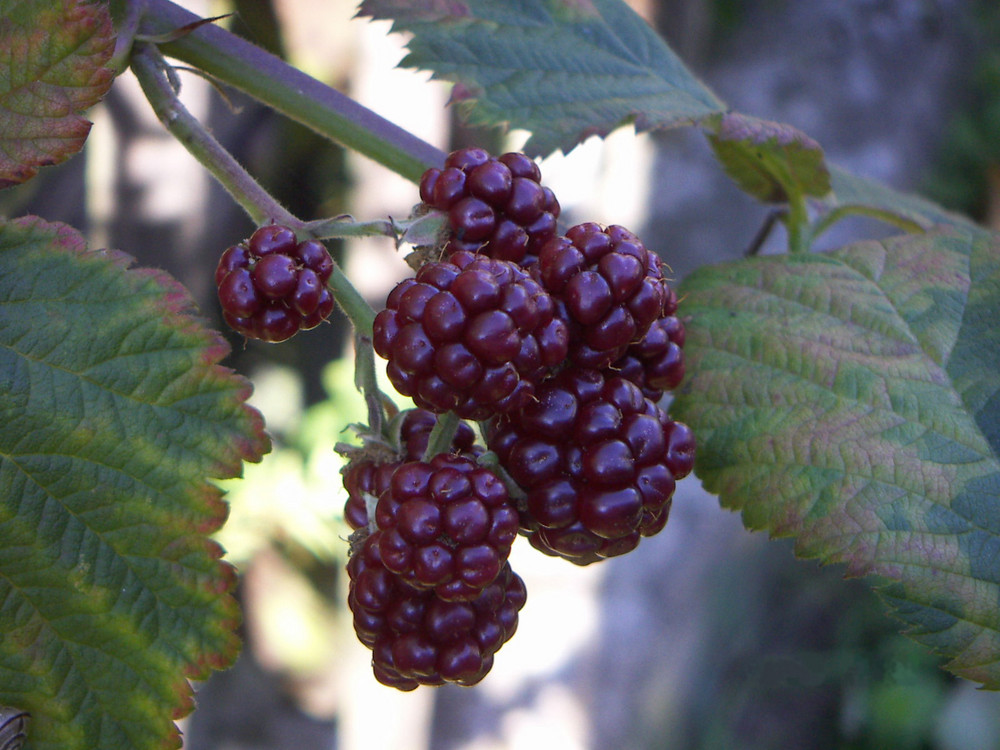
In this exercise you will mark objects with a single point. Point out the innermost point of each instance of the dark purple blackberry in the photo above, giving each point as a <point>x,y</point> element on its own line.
<point>495,206</point>
<point>445,525</point>
<point>655,364</point>
<point>416,637</point>
<point>273,286</point>
<point>471,335</point>
<point>598,462</point>
<point>608,287</point>
<point>371,475</point>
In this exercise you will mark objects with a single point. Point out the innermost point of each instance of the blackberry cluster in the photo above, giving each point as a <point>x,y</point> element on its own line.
<point>471,335</point>
<point>495,206</point>
<point>561,346</point>
<point>418,638</point>
<point>598,461</point>
<point>272,286</point>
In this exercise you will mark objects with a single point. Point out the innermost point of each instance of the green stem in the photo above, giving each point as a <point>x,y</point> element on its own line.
<point>797,222</point>
<point>366,381</point>
<point>268,79</point>
<point>151,70</point>
<point>442,435</point>
<point>842,212</point>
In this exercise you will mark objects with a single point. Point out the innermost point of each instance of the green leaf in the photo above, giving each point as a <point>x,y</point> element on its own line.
<point>852,399</point>
<point>52,68</point>
<point>115,415</point>
<point>563,69</point>
<point>771,161</point>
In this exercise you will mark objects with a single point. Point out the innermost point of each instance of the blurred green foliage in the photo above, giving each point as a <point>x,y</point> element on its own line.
<point>971,147</point>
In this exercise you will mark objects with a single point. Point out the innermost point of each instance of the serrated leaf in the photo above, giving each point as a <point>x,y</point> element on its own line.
<point>769,160</point>
<point>563,69</point>
<point>52,68</point>
<point>114,413</point>
<point>875,199</point>
<point>852,399</point>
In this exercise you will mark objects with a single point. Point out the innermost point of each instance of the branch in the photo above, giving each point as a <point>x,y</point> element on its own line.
<point>288,90</point>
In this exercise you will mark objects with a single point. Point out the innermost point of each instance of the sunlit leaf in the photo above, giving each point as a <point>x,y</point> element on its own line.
<point>563,69</point>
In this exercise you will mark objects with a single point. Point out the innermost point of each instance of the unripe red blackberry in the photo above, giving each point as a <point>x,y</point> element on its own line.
<point>371,475</point>
<point>598,462</point>
<point>655,364</point>
<point>273,286</point>
<point>446,525</point>
<point>608,286</point>
<point>471,335</point>
<point>495,206</point>
<point>416,637</point>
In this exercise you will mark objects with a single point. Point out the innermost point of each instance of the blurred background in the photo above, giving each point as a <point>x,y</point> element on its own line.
<point>707,636</point>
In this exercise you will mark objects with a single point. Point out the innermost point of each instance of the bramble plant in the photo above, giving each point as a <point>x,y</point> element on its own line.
<point>847,398</point>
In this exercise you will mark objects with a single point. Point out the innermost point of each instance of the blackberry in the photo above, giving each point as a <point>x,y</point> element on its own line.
<point>608,287</point>
<point>598,463</point>
<point>470,335</point>
<point>495,206</point>
<point>371,474</point>
<point>445,525</point>
<point>273,286</point>
<point>416,637</point>
<point>655,364</point>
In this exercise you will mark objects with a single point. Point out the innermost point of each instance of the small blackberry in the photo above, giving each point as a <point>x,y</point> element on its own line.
<point>495,206</point>
<point>273,286</point>
<point>608,287</point>
<point>445,525</point>
<point>416,637</point>
<point>598,463</point>
<point>470,335</point>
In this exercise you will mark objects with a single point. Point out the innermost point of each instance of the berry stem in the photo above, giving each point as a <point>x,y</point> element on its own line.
<point>442,435</point>
<point>797,222</point>
<point>270,80</point>
<point>842,212</point>
<point>151,69</point>
<point>366,381</point>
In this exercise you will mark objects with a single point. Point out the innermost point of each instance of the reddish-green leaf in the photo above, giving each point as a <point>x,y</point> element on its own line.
<point>115,414</point>
<point>852,399</point>
<point>52,68</point>
<point>769,160</point>
<point>563,69</point>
